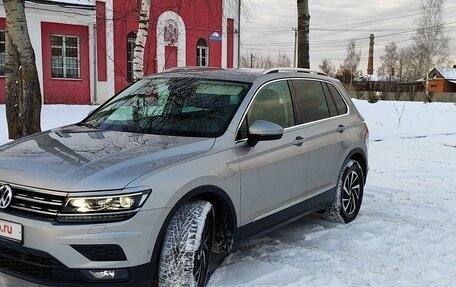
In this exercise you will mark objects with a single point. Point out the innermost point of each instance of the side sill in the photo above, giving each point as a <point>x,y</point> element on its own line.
<point>284,217</point>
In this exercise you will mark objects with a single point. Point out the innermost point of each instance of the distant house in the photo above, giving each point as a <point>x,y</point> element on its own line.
<point>442,80</point>
<point>84,48</point>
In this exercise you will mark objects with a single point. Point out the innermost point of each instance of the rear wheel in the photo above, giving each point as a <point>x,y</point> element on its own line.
<point>349,194</point>
<point>187,248</point>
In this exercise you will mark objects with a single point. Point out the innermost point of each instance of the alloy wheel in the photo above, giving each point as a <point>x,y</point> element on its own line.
<point>351,193</point>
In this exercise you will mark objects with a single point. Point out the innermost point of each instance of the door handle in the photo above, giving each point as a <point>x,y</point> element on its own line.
<point>340,128</point>
<point>299,141</point>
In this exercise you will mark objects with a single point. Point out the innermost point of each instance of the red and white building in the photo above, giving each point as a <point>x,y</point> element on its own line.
<point>84,48</point>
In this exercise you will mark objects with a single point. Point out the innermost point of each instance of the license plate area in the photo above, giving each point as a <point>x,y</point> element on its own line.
<point>11,230</point>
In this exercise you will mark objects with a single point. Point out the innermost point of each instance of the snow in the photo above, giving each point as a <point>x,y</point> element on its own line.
<point>405,234</point>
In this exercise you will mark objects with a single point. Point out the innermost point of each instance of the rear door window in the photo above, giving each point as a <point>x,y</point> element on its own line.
<point>312,100</point>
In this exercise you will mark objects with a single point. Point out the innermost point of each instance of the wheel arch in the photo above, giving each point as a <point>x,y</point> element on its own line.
<point>226,231</point>
<point>360,156</point>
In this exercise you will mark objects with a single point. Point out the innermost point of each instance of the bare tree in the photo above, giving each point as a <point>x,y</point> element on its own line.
<point>283,60</point>
<point>22,87</point>
<point>259,61</point>
<point>303,34</point>
<point>349,69</point>
<point>431,43</point>
<point>327,67</point>
<point>405,71</point>
<point>256,61</point>
<point>389,61</point>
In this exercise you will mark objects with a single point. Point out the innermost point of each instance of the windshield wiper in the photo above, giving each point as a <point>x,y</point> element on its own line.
<point>84,124</point>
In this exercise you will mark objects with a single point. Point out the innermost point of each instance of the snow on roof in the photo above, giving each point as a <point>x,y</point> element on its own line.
<point>377,78</point>
<point>66,2</point>
<point>447,73</point>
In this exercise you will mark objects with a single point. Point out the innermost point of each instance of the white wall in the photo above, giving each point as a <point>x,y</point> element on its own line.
<point>105,90</point>
<point>230,11</point>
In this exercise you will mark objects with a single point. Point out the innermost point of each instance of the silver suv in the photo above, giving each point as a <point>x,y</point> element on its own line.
<point>174,169</point>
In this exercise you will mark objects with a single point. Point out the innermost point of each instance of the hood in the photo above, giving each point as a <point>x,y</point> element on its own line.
<point>76,158</point>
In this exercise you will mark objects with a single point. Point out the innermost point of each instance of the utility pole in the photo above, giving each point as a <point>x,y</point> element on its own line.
<point>295,47</point>
<point>251,60</point>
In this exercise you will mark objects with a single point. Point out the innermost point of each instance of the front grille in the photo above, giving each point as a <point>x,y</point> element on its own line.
<point>105,252</point>
<point>36,203</point>
<point>35,265</point>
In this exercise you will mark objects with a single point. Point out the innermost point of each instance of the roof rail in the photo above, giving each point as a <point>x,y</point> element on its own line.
<point>190,68</point>
<point>296,70</point>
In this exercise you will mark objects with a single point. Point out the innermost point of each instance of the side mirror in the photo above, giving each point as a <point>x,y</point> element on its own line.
<point>263,131</point>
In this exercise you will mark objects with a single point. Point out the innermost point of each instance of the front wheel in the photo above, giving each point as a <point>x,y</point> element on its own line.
<point>187,246</point>
<point>349,194</point>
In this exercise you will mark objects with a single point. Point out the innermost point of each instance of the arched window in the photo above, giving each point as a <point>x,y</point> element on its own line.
<point>131,40</point>
<point>202,53</point>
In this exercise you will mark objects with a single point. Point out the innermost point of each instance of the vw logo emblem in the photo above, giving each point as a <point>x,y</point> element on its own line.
<point>6,195</point>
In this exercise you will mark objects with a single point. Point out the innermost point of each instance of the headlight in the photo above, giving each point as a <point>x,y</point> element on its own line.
<point>109,208</point>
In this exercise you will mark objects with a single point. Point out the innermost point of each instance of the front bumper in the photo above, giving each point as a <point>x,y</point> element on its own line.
<point>47,254</point>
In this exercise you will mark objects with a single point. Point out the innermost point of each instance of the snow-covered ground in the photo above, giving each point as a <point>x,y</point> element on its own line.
<point>405,234</point>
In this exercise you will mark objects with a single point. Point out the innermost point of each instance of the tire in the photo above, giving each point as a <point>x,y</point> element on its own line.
<point>349,194</point>
<point>187,247</point>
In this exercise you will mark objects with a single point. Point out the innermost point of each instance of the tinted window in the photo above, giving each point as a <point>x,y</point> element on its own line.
<point>312,100</point>
<point>272,103</point>
<point>174,106</point>
<point>340,103</point>
<point>332,106</point>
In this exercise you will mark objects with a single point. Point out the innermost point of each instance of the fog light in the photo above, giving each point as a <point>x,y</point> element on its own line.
<point>106,275</point>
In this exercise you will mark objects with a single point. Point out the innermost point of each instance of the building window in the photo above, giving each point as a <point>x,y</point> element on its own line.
<point>2,53</point>
<point>131,40</point>
<point>202,53</point>
<point>65,61</point>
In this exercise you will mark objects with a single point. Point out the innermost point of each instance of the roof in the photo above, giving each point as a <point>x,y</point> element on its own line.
<point>443,73</point>
<point>78,3</point>
<point>240,75</point>
<point>447,73</point>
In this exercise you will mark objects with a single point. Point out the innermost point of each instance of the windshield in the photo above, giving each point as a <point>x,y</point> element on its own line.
<point>171,106</point>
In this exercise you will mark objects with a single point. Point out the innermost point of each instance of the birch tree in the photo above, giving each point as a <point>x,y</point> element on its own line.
<point>431,43</point>
<point>141,37</point>
<point>22,88</point>
<point>349,68</point>
<point>303,34</point>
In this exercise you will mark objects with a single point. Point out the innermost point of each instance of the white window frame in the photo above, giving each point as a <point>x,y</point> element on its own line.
<point>63,47</point>
<point>199,50</point>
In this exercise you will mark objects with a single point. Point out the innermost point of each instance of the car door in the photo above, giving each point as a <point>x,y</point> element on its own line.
<point>273,172</point>
<point>326,139</point>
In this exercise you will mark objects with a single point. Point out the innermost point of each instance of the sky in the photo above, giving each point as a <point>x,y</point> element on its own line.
<point>333,23</point>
